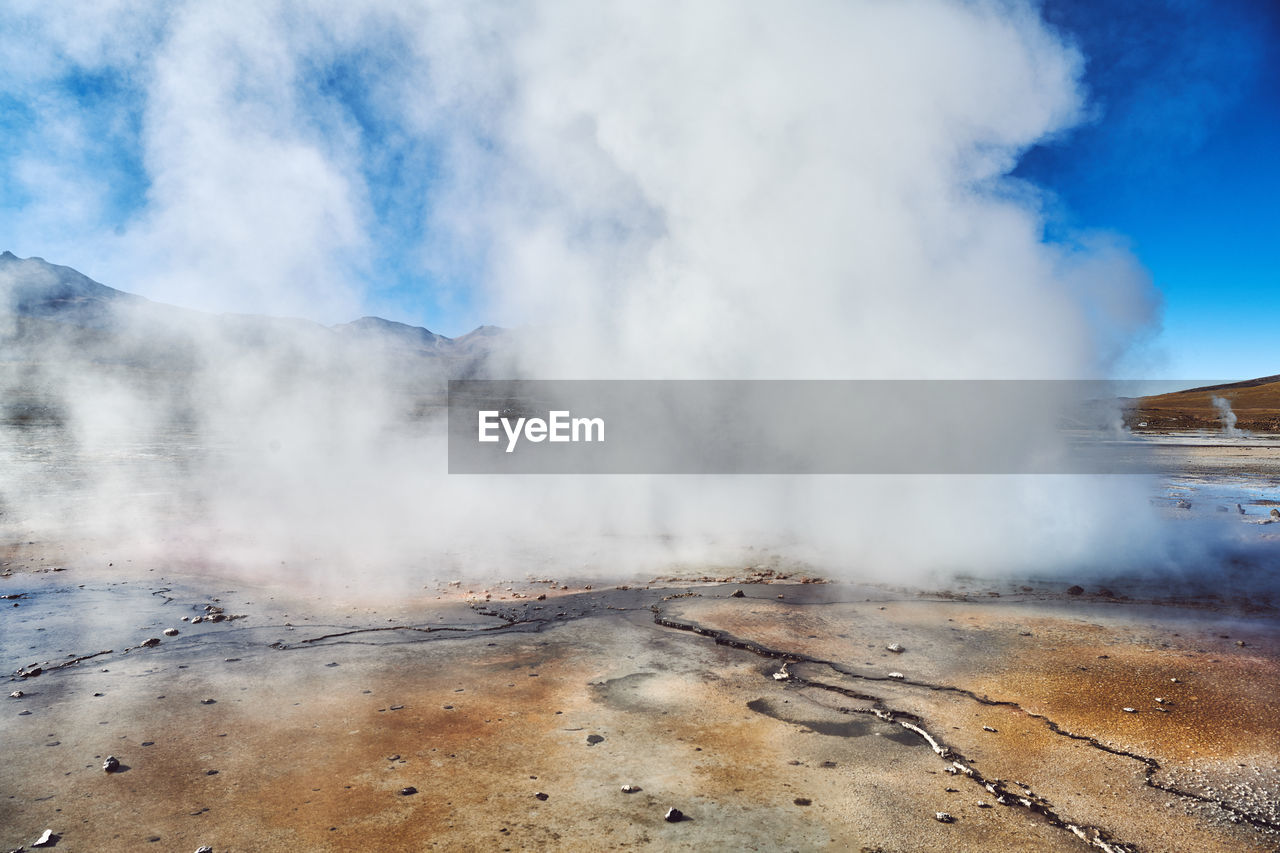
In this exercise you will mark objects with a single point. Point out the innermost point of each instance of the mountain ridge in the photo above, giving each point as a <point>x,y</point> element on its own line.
<point>39,288</point>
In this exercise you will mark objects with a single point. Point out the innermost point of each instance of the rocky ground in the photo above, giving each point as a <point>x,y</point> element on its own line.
<point>773,713</point>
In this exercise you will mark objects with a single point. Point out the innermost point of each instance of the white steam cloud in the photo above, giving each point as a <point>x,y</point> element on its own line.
<point>656,190</point>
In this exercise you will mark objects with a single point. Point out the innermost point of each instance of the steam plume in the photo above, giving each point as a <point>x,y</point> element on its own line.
<point>666,190</point>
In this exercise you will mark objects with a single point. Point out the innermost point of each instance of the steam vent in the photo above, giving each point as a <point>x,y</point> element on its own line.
<point>640,426</point>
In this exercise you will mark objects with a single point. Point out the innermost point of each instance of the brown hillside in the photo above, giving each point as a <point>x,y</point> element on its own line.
<point>1256,403</point>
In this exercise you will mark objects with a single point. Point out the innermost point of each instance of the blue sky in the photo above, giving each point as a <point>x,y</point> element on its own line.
<point>1178,154</point>
<point>1182,156</point>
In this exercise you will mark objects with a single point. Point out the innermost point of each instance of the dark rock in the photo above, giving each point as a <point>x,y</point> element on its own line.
<point>408,791</point>
<point>150,642</point>
<point>592,740</point>
<point>803,801</point>
<point>943,817</point>
<point>1075,590</point>
<point>737,593</point>
<point>542,795</point>
<point>631,789</point>
<point>111,764</point>
<point>673,815</point>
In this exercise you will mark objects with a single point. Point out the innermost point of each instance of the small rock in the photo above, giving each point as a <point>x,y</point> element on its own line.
<point>943,817</point>
<point>45,839</point>
<point>111,764</point>
<point>631,789</point>
<point>208,701</point>
<point>592,740</point>
<point>1160,700</point>
<point>984,805</point>
<point>1075,590</point>
<point>803,801</point>
<point>170,632</point>
<point>781,675</point>
<point>896,675</point>
<point>197,620</point>
<point>408,791</point>
<point>149,642</point>
<point>1240,643</point>
<point>673,815</point>
<point>204,848</point>
<point>395,757</point>
<point>542,795</point>
<point>988,729</point>
<point>737,593</point>
<point>1275,513</point>
<point>1130,710</point>
<point>1183,503</point>
<point>1176,680</point>
<point>17,694</point>
<point>896,648</point>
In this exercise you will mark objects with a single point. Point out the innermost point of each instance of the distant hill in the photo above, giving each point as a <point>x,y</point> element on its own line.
<point>1255,403</point>
<point>57,324</point>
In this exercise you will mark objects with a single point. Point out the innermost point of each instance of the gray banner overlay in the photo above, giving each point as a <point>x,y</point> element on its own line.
<point>790,427</point>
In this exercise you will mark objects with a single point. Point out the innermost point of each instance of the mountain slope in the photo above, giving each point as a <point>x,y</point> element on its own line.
<point>1255,403</point>
<point>62,333</point>
<point>33,289</point>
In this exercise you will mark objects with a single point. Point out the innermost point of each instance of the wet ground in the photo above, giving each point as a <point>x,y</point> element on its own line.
<point>791,716</point>
<point>775,712</point>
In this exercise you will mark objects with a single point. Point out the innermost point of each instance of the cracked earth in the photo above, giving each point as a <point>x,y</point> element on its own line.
<point>775,714</point>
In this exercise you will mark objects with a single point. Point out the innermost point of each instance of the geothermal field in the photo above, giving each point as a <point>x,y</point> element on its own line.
<point>564,425</point>
<point>774,704</point>
<point>257,620</point>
